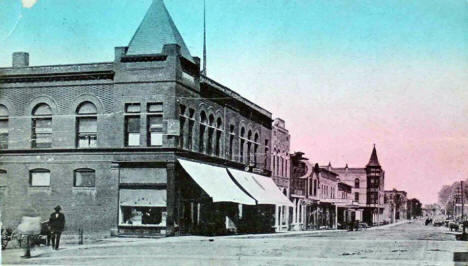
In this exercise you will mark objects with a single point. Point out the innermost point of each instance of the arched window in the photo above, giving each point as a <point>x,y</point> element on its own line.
<point>232,135</point>
<point>3,178</point>
<point>211,129</point>
<point>242,145</point>
<point>191,125</point>
<point>39,178</point>
<point>249,146</point>
<point>4,114</point>
<point>255,152</point>
<point>182,123</point>
<point>274,162</point>
<point>315,187</point>
<point>219,128</point>
<point>203,125</point>
<point>86,133</point>
<point>84,177</point>
<point>42,126</point>
<point>267,154</point>
<point>356,183</point>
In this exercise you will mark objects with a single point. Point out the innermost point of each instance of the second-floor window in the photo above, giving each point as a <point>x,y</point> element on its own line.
<point>155,124</point>
<point>218,137</point>
<point>132,124</point>
<point>315,187</point>
<point>356,183</point>
<point>266,154</point>
<point>356,196</point>
<point>86,125</point>
<point>42,126</point>
<point>183,125</point>
<point>232,135</point>
<point>3,127</point>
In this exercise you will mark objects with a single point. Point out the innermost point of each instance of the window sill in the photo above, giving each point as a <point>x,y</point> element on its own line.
<point>84,191</point>
<point>84,188</point>
<point>47,190</point>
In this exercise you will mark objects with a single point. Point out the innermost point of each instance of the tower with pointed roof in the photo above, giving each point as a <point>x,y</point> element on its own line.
<point>156,30</point>
<point>367,187</point>
<point>375,183</point>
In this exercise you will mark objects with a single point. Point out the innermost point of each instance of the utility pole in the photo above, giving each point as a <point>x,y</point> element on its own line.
<point>204,38</point>
<point>462,195</point>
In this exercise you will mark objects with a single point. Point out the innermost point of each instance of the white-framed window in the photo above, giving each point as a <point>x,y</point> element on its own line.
<point>84,177</point>
<point>155,130</point>
<point>86,125</point>
<point>132,124</point>
<point>42,126</point>
<point>155,124</point>
<point>39,178</point>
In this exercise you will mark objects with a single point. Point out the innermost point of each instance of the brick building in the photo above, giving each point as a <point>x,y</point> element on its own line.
<point>395,205</point>
<point>144,144</point>
<point>280,167</point>
<point>367,188</point>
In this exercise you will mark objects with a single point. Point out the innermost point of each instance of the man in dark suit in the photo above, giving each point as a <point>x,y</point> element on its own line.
<point>56,224</point>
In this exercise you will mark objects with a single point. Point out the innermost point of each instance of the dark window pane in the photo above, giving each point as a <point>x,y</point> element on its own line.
<point>133,124</point>
<point>132,108</point>
<point>155,107</point>
<point>85,178</point>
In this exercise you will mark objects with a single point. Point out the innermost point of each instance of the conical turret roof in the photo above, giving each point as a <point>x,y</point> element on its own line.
<point>156,30</point>
<point>374,160</point>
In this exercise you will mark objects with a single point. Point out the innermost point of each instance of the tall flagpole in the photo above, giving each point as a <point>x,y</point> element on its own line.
<point>204,38</point>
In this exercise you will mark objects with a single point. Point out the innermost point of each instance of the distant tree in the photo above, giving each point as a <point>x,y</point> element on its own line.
<point>445,195</point>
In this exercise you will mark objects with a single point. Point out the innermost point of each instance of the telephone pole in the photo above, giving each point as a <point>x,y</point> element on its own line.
<point>462,195</point>
<point>204,38</point>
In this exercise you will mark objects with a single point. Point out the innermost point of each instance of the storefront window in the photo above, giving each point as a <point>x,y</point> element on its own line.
<point>142,207</point>
<point>143,216</point>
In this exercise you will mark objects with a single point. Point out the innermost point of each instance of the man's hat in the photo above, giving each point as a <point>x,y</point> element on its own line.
<point>58,208</point>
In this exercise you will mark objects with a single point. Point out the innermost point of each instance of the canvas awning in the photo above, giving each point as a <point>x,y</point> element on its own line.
<point>262,188</point>
<point>216,182</point>
<point>143,197</point>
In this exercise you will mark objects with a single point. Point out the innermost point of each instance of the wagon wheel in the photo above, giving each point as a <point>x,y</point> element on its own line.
<point>4,243</point>
<point>4,240</point>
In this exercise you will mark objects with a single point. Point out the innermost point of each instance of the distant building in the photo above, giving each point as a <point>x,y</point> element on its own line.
<point>414,208</point>
<point>326,215</point>
<point>367,188</point>
<point>432,210</point>
<point>395,205</point>
<point>301,184</point>
<point>280,168</point>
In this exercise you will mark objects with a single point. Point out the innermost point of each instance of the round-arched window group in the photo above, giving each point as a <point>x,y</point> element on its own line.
<point>42,130</point>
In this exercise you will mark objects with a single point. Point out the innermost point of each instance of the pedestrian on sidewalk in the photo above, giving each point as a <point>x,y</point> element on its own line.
<point>56,224</point>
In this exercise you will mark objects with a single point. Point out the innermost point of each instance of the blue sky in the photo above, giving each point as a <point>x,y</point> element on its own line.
<point>354,73</point>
